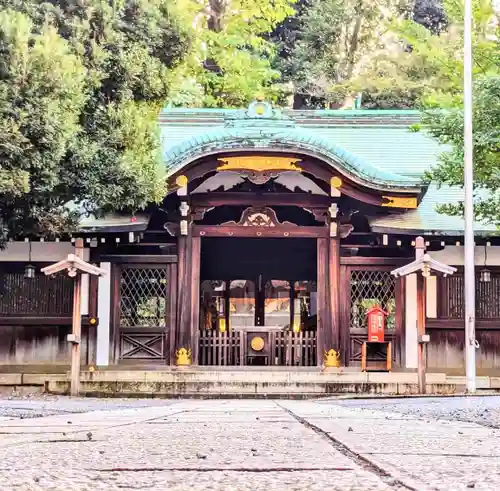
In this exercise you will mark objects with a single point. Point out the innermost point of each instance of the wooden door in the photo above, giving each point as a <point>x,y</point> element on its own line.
<point>143,319</point>
<point>363,288</point>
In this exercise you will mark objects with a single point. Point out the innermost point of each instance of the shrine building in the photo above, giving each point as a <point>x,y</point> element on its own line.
<point>278,234</point>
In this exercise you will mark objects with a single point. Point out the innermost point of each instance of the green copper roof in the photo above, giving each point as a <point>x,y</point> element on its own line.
<point>381,139</point>
<point>372,146</point>
<point>275,131</point>
<point>426,220</point>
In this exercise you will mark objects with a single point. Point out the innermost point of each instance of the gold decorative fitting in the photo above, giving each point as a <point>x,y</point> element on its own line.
<point>259,163</point>
<point>92,321</point>
<point>335,182</point>
<point>260,109</point>
<point>91,368</point>
<point>257,343</point>
<point>398,202</point>
<point>183,356</point>
<point>332,359</point>
<point>181,181</point>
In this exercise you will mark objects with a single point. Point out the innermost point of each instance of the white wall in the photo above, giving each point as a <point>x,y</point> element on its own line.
<point>411,335</point>
<point>46,252</point>
<point>454,255</point>
<point>104,314</point>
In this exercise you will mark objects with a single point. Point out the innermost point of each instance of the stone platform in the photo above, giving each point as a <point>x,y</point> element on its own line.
<point>240,382</point>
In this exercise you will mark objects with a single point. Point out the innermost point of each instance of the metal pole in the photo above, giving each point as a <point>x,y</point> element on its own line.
<point>469,277</point>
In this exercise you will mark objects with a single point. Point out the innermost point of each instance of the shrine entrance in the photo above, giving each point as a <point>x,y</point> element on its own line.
<point>258,301</point>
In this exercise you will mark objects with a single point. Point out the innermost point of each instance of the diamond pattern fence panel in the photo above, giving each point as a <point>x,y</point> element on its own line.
<point>143,297</point>
<point>143,313</point>
<point>370,288</point>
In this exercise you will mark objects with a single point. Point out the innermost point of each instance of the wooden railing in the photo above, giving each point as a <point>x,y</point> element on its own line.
<point>285,348</point>
<point>295,348</point>
<point>220,348</point>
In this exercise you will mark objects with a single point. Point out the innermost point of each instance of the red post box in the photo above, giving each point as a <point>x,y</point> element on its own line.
<point>376,325</point>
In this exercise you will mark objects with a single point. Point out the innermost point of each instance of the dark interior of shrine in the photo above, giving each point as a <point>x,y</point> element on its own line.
<point>246,258</point>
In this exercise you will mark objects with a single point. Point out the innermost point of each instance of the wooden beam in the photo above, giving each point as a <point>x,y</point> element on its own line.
<point>281,231</point>
<point>137,258</point>
<point>374,261</point>
<point>20,320</point>
<point>304,200</point>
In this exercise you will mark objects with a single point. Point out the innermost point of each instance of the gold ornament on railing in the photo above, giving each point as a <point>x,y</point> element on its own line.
<point>183,356</point>
<point>332,359</point>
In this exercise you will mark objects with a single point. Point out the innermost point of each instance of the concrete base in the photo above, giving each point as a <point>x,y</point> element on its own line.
<point>248,383</point>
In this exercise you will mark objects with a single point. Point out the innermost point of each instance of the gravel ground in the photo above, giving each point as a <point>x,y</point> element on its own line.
<point>483,410</point>
<point>241,445</point>
<point>38,406</point>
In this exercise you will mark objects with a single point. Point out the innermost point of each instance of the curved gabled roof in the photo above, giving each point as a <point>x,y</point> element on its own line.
<point>275,133</point>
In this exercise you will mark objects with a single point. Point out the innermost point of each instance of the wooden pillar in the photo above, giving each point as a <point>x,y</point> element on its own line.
<point>422,362</point>
<point>184,339</point>
<point>92,329</point>
<point>322,303</point>
<point>328,333</point>
<point>183,334</point>
<point>77,325</point>
<point>334,295</point>
<point>328,288</point>
<point>421,301</point>
<point>195,296</point>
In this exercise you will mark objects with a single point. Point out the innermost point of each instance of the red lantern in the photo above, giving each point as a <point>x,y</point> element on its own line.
<point>376,325</point>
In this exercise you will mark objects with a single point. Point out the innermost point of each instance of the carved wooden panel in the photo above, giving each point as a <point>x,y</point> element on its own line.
<point>258,216</point>
<point>142,346</point>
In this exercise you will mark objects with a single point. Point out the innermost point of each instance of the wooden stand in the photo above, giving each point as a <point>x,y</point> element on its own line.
<point>388,365</point>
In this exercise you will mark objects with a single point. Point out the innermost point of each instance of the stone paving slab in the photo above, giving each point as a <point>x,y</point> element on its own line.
<point>247,445</point>
<point>215,445</point>
<point>423,453</point>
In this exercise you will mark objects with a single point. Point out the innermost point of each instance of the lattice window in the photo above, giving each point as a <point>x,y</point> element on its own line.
<point>143,297</point>
<point>370,288</point>
<point>39,296</point>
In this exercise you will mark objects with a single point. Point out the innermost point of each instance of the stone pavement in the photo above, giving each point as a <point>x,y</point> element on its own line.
<point>245,445</point>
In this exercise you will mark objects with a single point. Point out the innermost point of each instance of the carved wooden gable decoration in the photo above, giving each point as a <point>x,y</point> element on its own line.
<point>259,217</point>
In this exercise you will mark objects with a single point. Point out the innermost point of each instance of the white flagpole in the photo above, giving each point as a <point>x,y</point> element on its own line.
<point>469,277</point>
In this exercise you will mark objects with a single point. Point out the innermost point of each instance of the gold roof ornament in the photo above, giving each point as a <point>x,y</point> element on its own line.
<point>183,356</point>
<point>181,181</point>
<point>259,163</point>
<point>336,182</point>
<point>257,343</point>
<point>399,202</point>
<point>332,359</point>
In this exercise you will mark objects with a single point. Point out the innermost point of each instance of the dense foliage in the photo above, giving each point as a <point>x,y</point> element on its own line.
<point>80,89</point>
<point>81,85</point>
<point>232,58</point>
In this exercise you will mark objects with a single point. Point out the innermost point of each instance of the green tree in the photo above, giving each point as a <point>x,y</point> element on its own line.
<point>443,100</point>
<point>80,89</point>
<point>338,39</point>
<point>231,59</point>
<point>447,126</point>
<point>423,66</point>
